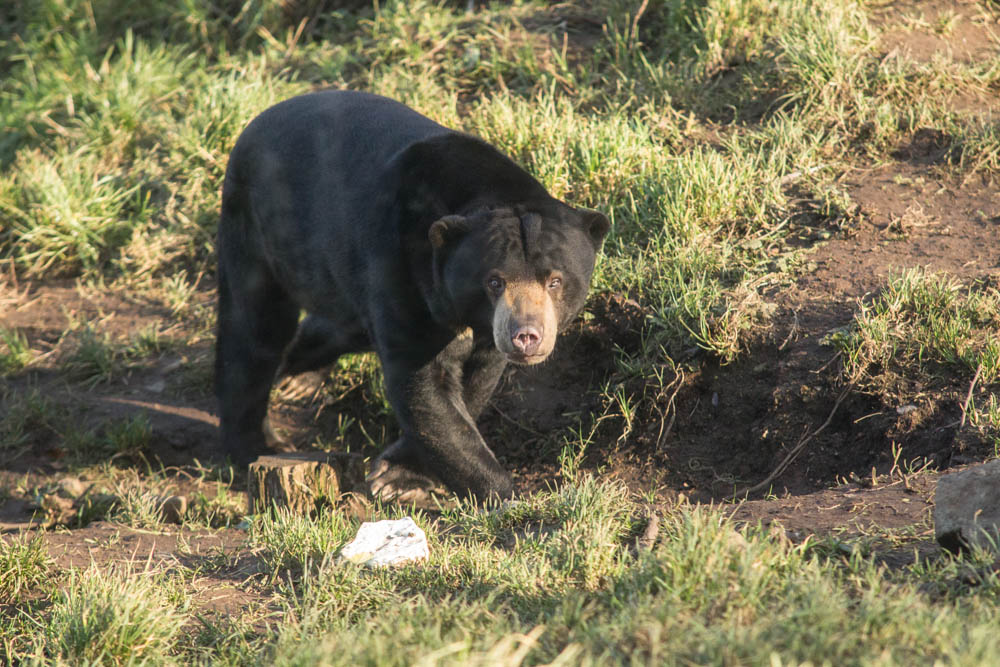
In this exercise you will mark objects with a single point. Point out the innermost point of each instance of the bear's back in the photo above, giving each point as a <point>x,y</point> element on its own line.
<point>346,125</point>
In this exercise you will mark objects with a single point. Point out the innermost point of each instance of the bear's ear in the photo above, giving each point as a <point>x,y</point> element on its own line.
<point>447,230</point>
<point>596,225</point>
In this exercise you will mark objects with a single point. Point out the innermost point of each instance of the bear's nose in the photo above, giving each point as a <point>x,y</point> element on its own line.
<point>526,339</point>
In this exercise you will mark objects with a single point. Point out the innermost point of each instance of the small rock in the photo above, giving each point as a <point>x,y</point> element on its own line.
<point>173,508</point>
<point>55,504</point>
<point>71,487</point>
<point>646,541</point>
<point>384,543</point>
<point>157,386</point>
<point>967,508</point>
<point>58,510</point>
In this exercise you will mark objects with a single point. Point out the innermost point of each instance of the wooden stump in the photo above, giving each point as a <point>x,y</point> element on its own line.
<point>303,481</point>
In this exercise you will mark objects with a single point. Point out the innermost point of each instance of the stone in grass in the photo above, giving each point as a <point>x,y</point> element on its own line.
<point>301,481</point>
<point>71,487</point>
<point>385,543</point>
<point>173,508</point>
<point>967,508</point>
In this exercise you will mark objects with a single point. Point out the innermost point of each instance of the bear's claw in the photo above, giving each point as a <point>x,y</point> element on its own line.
<point>393,482</point>
<point>303,387</point>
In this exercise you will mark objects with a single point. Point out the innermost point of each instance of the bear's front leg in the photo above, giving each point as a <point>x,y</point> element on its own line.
<point>440,439</point>
<point>481,373</point>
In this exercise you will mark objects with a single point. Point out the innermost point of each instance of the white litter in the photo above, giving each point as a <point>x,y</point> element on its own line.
<point>384,543</point>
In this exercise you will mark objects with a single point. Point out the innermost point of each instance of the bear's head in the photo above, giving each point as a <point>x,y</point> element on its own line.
<point>524,273</point>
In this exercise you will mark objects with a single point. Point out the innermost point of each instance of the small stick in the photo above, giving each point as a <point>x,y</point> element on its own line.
<point>823,367</point>
<point>968,397</point>
<point>796,175</point>
<point>671,409</point>
<point>635,22</point>
<point>516,423</point>
<point>794,330</point>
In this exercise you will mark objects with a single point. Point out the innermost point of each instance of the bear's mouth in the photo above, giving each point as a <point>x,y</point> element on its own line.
<point>526,359</point>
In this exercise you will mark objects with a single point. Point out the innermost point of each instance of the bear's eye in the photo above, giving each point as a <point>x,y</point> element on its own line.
<point>495,283</point>
<point>555,282</point>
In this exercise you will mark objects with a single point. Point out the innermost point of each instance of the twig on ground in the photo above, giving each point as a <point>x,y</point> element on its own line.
<point>968,396</point>
<point>516,423</point>
<point>677,382</point>
<point>794,330</point>
<point>634,34</point>
<point>796,175</point>
<point>832,359</point>
<point>796,449</point>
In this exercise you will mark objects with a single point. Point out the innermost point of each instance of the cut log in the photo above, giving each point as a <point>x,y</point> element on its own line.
<point>303,481</point>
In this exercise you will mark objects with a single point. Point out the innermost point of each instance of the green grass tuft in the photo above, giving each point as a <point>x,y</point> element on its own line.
<point>112,618</point>
<point>289,542</point>
<point>18,353</point>
<point>926,331</point>
<point>24,566</point>
<point>921,325</point>
<point>557,579</point>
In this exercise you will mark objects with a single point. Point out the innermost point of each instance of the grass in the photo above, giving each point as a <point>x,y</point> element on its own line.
<point>33,417</point>
<point>698,127</point>
<point>24,565</point>
<point>28,416</point>
<point>555,578</point>
<point>926,331</point>
<point>18,353</point>
<point>559,580</point>
<point>921,322</point>
<point>223,510</point>
<point>112,169</point>
<point>111,618</point>
<point>91,356</point>
<point>137,503</point>
<point>563,583</point>
<point>290,542</point>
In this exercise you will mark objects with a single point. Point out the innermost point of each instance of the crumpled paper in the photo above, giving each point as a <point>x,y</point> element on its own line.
<point>385,543</point>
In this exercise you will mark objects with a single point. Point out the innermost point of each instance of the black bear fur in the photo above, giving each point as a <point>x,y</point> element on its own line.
<point>396,234</point>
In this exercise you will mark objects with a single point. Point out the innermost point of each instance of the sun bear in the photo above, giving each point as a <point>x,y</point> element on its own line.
<point>398,235</point>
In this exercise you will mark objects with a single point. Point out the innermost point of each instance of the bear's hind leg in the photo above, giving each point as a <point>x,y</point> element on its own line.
<point>256,321</point>
<point>317,344</point>
<point>320,341</point>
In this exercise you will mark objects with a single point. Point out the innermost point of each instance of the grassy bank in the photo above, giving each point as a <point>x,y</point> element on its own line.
<point>558,579</point>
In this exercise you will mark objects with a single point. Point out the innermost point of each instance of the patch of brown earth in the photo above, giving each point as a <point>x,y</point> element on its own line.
<point>774,417</point>
<point>911,218</point>
<point>216,560</point>
<point>918,30</point>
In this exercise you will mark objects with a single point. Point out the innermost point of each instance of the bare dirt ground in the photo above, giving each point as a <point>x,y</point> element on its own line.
<point>868,472</point>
